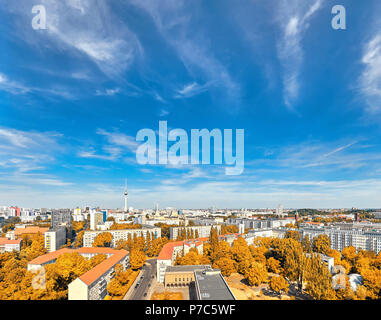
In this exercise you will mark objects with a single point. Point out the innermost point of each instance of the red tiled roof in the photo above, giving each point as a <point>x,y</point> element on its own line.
<point>55,254</point>
<point>7,241</point>
<point>45,258</point>
<point>92,275</point>
<point>167,250</point>
<point>30,230</point>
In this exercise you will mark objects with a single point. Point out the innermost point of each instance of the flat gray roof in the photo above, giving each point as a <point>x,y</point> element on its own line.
<point>187,268</point>
<point>212,286</point>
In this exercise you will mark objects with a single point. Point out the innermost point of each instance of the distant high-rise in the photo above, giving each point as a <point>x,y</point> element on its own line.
<point>60,217</point>
<point>125,196</point>
<point>279,210</point>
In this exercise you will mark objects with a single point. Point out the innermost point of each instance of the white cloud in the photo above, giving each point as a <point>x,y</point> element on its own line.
<point>107,92</point>
<point>163,113</point>
<point>192,89</point>
<point>120,139</point>
<point>118,144</point>
<point>27,154</point>
<point>370,80</point>
<point>173,20</point>
<point>294,21</point>
<point>89,27</point>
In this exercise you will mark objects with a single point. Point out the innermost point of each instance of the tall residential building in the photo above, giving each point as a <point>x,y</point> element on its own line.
<point>55,238</point>
<point>96,218</point>
<point>61,217</point>
<point>89,236</point>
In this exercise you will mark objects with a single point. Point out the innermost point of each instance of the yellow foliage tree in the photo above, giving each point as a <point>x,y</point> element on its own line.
<point>321,244</point>
<point>103,239</point>
<point>256,274</point>
<point>226,265</point>
<point>137,259</point>
<point>279,284</point>
<point>273,265</point>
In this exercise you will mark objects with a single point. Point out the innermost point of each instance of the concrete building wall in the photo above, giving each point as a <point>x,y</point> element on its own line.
<point>89,236</point>
<point>78,290</point>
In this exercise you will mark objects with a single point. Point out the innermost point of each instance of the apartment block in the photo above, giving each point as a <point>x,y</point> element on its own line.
<point>55,238</point>
<point>89,236</point>
<point>7,245</point>
<point>93,284</point>
<point>203,231</point>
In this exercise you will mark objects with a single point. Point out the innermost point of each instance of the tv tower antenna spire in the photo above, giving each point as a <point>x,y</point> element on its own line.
<point>125,195</point>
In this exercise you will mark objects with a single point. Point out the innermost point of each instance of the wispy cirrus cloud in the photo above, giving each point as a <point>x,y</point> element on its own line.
<point>87,27</point>
<point>294,17</point>
<point>118,145</point>
<point>370,79</point>
<point>107,92</point>
<point>192,89</point>
<point>174,21</point>
<point>26,155</point>
<point>316,155</point>
<point>18,88</point>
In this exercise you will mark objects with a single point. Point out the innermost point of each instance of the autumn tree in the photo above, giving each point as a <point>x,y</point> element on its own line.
<point>321,244</point>
<point>79,239</point>
<point>241,254</point>
<point>293,235</point>
<point>95,260</point>
<point>336,255</point>
<point>137,259</point>
<point>296,263</point>
<point>349,253</point>
<point>372,282</point>
<point>361,293</point>
<point>226,265</point>
<point>273,265</point>
<point>35,249</point>
<point>213,238</point>
<point>103,239</point>
<point>306,243</point>
<point>193,257</point>
<point>319,279</point>
<point>223,250</point>
<point>258,253</point>
<point>119,285</point>
<point>279,284</point>
<point>256,274</point>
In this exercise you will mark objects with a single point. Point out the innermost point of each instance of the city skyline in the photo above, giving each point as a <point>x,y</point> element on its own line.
<point>75,95</point>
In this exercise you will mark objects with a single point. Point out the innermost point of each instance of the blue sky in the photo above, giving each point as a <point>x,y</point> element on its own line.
<point>73,97</point>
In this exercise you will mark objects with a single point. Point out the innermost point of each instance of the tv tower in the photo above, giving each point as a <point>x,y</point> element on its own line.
<point>125,196</point>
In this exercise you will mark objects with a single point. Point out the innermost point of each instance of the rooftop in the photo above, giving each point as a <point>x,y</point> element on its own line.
<point>90,276</point>
<point>7,241</point>
<point>30,230</point>
<point>167,250</point>
<point>212,286</point>
<point>188,268</point>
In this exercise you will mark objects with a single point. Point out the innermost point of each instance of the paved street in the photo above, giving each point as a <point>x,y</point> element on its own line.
<point>148,275</point>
